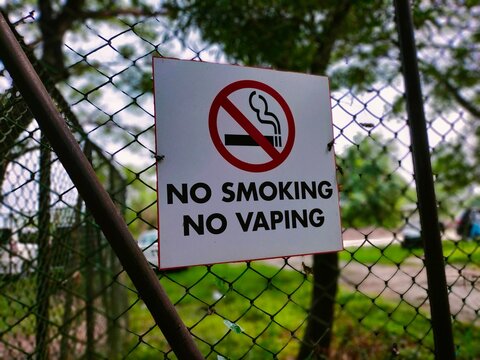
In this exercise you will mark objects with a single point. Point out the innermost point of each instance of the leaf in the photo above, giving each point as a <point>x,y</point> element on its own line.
<point>127,51</point>
<point>232,326</point>
<point>222,285</point>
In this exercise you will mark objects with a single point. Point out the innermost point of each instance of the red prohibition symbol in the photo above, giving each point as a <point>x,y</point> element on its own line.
<point>264,142</point>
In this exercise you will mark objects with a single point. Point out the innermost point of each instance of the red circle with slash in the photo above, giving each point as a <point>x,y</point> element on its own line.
<point>222,101</point>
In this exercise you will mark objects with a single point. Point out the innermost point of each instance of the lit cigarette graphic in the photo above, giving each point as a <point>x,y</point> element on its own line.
<point>245,140</point>
<point>263,116</point>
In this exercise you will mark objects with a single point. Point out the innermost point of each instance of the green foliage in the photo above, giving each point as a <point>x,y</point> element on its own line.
<point>295,35</point>
<point>232,326</point>
<point>452,31</point>
<point>372,193</point>
<point>452,167</point>
<point>455,171</point>
<point>354,42</point>
<point>17,297</point>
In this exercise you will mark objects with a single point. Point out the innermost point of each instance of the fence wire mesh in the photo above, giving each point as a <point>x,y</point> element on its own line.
<point>63,294</point>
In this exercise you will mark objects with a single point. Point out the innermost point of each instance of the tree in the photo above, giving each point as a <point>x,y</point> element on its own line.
<point>302,36</point>
<point>353,42</point>
<point>56,19</point>
<point>292,35</point>
<point>372,192</point>
<point>455,171</point>
<point>448,60</point>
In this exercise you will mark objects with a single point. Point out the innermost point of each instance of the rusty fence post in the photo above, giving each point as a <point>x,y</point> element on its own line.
<point>96,198</point>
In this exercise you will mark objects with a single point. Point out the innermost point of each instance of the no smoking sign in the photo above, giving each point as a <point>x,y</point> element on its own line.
<point>267,113</point>
<point>244,170</point>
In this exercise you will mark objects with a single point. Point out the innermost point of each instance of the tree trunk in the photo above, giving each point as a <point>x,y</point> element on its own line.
<point>316,341</point>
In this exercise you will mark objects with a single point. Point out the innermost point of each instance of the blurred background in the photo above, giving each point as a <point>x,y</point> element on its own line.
<point>63,293</point>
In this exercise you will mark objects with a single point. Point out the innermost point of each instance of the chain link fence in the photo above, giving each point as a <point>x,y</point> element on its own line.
<point>64,295</point>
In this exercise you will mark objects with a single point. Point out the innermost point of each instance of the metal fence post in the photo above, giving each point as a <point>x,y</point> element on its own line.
<point>44,256</point>
<point>113,297</point>
<point>89,246</point>
<point>434,261</point>
<point>96,198</point>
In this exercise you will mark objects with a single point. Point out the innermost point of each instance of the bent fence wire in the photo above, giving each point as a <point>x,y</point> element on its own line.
<point>63,293</point>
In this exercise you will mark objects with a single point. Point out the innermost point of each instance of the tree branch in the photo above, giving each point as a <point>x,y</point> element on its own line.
<point>465,103</point>
<point>110,13</point>
<point>453,90</point>
<point>69,14</point>
<point>326,38</point>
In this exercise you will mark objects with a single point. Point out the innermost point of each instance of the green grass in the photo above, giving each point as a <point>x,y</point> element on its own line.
<point>462,252</point>
<point>392,254</point>
<point>376,325</point>
<point>17,298</point>
<point>257,311</point>
<point>455,252</point>
<point>238,309</point>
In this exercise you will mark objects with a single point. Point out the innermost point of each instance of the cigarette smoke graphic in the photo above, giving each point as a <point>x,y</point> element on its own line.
<point>266,117</point>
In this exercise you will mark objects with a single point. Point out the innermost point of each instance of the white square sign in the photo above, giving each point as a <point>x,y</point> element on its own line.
<point>246,168</point>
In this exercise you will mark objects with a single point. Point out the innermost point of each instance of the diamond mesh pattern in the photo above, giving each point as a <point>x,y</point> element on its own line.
<point>63,293</point>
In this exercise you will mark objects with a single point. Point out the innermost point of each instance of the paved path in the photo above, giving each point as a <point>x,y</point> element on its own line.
<point>408,281</point>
